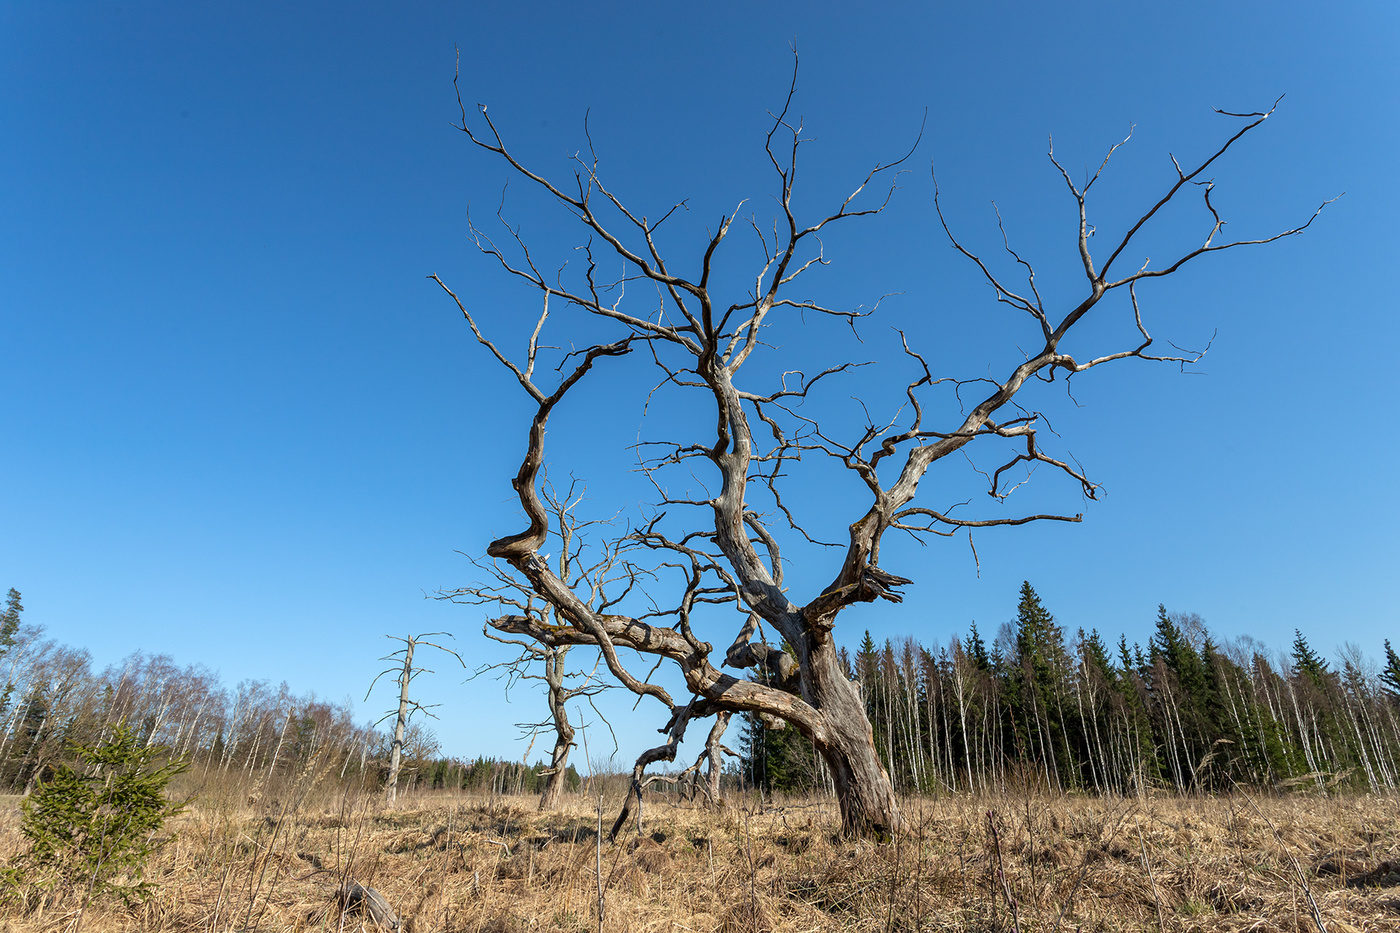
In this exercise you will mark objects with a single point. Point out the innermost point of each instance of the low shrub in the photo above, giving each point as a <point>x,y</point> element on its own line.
<point>93,827</point>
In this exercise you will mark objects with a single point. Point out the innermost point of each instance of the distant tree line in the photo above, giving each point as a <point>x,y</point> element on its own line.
<point>1069,713</point>
<point>491,776</point>
<point>1076,713</point>
<point>267,738</point>
<point>51,699</point>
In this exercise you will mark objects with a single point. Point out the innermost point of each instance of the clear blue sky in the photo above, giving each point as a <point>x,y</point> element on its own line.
<point>240,427</point>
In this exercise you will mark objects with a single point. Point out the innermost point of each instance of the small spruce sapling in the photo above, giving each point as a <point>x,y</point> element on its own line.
<point>93,828</point>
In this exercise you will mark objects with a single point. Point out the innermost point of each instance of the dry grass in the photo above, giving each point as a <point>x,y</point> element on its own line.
<point>495,865</point>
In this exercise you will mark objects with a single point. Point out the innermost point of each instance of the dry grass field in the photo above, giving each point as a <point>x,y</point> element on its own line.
<point>1027,863</point>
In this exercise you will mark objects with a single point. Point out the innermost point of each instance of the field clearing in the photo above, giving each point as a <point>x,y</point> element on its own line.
<point>1030,862</point>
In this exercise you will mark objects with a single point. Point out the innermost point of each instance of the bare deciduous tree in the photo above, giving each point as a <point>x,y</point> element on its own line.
<point>722,550</point>
<point>551,654</point>
<point>545,648</point>
<point>404,672</point>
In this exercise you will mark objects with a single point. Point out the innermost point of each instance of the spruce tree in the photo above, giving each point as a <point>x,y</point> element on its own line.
<point>1179,685</point>
<point>977,649</point>
<point>1037,694</point>
<point>1125,654</point>
<point>868,652</point>
<point>1096,654</point>
<point>1390,675</point>
<point>9,621</point>
<point>9,626</point>
<point>1307,661</point>
<point>1180,656</point>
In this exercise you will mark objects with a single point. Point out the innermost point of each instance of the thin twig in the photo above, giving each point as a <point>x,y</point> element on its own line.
<point>1001,874</point>
<point>1156,898</point>
<point>1297,869</point>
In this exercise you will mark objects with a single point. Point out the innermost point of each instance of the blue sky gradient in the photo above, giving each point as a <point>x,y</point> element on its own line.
<point>240,426</point>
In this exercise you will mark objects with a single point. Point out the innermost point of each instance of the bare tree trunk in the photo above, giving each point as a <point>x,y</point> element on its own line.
<point>563,730</point>
<point>401,722</point>
<point>701,341</point>
<point>847,744</point>
<point>714,750</point>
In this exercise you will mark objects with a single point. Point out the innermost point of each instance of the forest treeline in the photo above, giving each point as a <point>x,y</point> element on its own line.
<point>51,699</point>
<point>1068,713</point>
<point>1078,713</point>
<point>257,738</point>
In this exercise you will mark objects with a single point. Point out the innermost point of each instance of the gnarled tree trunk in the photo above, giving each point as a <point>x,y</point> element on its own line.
<point>847,745</point>
<point>563,729</point>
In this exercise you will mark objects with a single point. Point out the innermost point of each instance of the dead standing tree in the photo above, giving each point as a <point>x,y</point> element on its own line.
<point>404,672</point>
<point>729,554</point>
<point>545,647</point>
<point>550,654</point>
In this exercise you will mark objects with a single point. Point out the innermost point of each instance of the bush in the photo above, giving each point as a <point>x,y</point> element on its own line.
<point>92,830</point>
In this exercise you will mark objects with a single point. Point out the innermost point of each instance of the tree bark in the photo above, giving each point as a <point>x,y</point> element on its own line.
<point>847,745</point>
<point>701,341</point>
<point>400,722</point>
<point>714,750</point>
<point>563,729</point>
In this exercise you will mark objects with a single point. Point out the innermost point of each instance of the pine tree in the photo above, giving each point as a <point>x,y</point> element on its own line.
<point>977,649</point>
<point>1390,674</point>
<point>1307,661</point>
<point>9,621</point>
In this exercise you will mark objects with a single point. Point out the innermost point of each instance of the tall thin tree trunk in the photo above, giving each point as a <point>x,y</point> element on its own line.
<point>714,750</point>
<point>401,722</point>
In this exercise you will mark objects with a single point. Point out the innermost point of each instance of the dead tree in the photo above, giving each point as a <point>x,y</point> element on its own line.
<point>404,672</point>
<point>713,758</point>
<point>551,655</point>
<point>545,648</point>
<point>723,550</point>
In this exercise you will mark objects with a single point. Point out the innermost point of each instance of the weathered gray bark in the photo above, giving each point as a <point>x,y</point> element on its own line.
<point>400,722</point>
<point>847,745</point>
<point>563,730</point>
<point>355,898</point>
<point>404,672</point>
<point>551,652</point>
<point>701,341</point>
<point>714,754</point>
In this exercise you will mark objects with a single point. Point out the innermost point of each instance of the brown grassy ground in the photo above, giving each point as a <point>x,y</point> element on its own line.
<point>1031,863</point>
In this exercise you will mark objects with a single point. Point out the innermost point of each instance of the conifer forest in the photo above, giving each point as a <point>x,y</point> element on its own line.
<point>1036,704</point>
<point>1030,704</point>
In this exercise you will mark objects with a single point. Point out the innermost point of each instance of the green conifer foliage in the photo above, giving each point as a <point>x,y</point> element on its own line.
<point>1309,662</point>
<point>977,649</point>
<point>1038,697</point>
<point>1096,654</point>
<point>1390,675</point>
<point>9,621</point>
<point>9,626</point>
<point>1185,712</point>
<point>92,829</point>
